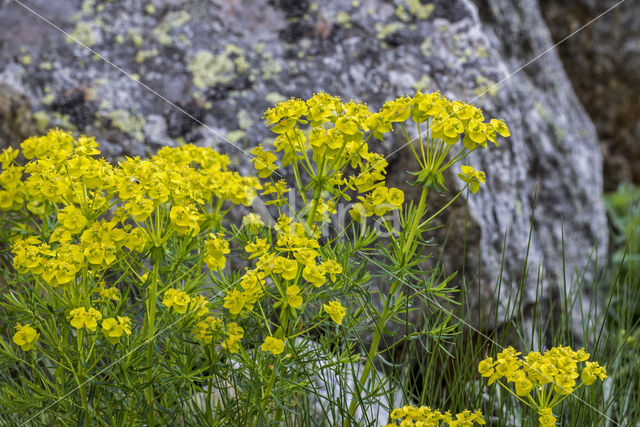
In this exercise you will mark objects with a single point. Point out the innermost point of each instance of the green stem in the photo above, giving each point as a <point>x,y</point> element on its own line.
<point>373,352</point>
<point>151,319</point>
<point>415,219</point>
<point>80,378</point>
<point>382,320</point>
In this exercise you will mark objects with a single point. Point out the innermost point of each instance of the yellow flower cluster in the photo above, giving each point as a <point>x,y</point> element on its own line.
<point>293,255</point>
<point>337,143</point>
<point>180,301</point>
<point>64,179</point>
<point>543,379</point>
<point>424,416</point>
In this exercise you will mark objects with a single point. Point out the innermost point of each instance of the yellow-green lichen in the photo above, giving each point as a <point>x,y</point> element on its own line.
<point>105,105</point>
<point>274,97</point>
<point>209,69</point>
<point>485,85</point>
<point>355,3</point>
<point>27,59</point>
<point>419,10</point>
<point>128,123</point>
<point>143,55</point>
<point>425,46</point>
<point>402,14</point>
<point>150,8</point>
<point>83,33</point>
<point>244,119</point>
<point>100,81</point>
<point>384,30</point>
<point>270,67</point>
<point>172,21</point>
<point>482,52</point>
<point>343,18</point>
<point>47,99</point>
<point>42,120</point>
<point>235,136</point>
<point>258,47</point>
<point>544,114</point>
<point>62,121</point>
<point>414,8</point>
<point>46,66</point>
<point>135,34</point>
<point>423,84</point>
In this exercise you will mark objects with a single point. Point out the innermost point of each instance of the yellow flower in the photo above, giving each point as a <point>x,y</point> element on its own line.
<point>208,329</point>
<point>263,162</point>
<point>113,329</point>
<point>83,318</point>
<point>234,302</point>
<point>592,371</point>
<point>293,299</point>
<point>72,219</point>
<point>216,249</point>
<point>546,418</point>
<point>252,221</point>
<point>185,219</point>
<point>473,177</point>
<point>335,310</point>
<point>274,345</point>
<point>234,334</point>
<point>314,274</point>
<point>485,367</point>
<point>139,208</point>
<point>176,300</point>
<point>111,293</point>
<point>523,386</point>
<point>26,336</point>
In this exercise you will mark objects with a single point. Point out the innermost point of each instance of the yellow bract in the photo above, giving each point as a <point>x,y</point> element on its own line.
<point>113,328</point>
<point>83,318</point>
<point>335,310</point>
<point>273,345</point>
<point>26,337</point>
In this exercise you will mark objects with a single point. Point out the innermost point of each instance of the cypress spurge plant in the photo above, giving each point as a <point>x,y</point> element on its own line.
<point>542,381</point>
<point>132,291</point>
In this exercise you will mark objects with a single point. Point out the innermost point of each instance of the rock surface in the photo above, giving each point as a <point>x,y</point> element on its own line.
<point>602,60</point>
<point>174,65</point>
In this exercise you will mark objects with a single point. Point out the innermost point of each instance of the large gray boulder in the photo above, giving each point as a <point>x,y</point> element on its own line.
<point>602,61</point>
<point>176,65</point>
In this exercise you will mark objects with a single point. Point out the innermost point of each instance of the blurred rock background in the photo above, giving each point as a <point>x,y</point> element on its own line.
<point>162,72</point>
